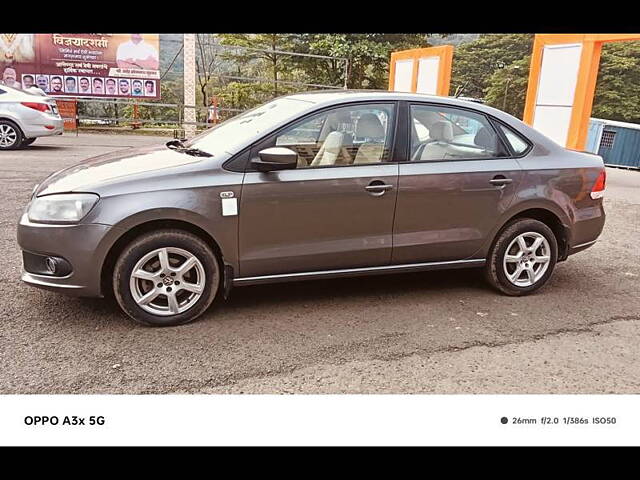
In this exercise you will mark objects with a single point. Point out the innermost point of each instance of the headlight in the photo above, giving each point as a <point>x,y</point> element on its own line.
<point>61,208</point>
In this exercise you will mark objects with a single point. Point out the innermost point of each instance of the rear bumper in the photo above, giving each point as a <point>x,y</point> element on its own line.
<point>585,232</point>
<point>39,129</point>
<point>582,246</point>
<point>82,246</point>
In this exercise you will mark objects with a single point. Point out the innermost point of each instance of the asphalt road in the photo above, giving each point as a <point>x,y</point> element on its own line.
<point>434,332</point>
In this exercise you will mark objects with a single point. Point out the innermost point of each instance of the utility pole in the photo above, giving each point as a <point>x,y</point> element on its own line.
<point>506,89</point>
<point>189,84</point>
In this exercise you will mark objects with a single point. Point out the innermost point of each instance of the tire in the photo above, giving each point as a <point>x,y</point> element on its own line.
<point>159,284</point>
<point>533,274</point>
<point>11,136</point>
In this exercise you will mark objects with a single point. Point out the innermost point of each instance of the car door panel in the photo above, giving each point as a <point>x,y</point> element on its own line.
<point>316,219</point>
<point>446,209</point>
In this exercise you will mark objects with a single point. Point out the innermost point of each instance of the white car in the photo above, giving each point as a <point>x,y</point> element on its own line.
<point>25,116</point>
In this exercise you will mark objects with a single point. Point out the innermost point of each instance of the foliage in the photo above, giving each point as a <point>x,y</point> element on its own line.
<point>493,67</point>
<point>617,94</point>
<point>507,87</point>
<point>367,54</point>
<point>477,68</point>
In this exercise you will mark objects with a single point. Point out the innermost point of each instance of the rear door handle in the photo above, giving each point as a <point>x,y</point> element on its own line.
<point>499,181</point>
<point>376,188</point>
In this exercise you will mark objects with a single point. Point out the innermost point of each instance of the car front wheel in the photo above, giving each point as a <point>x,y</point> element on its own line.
<point>522,258</point>
<point>167,277</point>
<point>10,135</point>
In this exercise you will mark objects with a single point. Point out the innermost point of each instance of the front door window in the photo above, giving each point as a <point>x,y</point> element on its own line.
<point>351,135</point>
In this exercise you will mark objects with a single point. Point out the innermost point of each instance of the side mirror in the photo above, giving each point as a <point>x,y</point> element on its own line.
<point>275,158</point>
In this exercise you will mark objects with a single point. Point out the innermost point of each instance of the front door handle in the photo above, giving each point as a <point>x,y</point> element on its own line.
<point>500,181</point>
<point>378,187</point>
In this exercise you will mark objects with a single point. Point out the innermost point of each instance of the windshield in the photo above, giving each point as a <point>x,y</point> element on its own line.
<point>233,133</point>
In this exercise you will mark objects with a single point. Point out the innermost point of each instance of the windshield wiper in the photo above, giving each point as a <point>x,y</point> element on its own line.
<point>196,152</point>
<point>178,146</point>
<point>174,144</point>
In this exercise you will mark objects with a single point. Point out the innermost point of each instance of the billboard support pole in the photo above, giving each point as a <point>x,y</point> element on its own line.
<point>189,84</point>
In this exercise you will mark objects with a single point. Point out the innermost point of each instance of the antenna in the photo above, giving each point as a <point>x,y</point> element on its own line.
<point>460,89</point>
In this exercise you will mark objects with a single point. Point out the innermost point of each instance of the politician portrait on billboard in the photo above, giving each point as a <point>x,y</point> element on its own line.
<point>138,53</point>
<point>98,86</point>
<point>149,88</point>
<point>43,82</point>
<point>17,47</point>
<point>10,77</point>
<point>82,65</point>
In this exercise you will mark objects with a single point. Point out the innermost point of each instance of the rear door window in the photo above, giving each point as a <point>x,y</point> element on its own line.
<point>448,133</point>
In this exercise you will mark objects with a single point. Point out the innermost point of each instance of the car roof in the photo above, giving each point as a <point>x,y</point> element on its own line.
<point>321,96</point>
<point>332,97</point>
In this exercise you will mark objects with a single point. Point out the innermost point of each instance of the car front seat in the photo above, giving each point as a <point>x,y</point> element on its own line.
<point>438,146</point>
<point>328,153</point>
<point>370,128</point>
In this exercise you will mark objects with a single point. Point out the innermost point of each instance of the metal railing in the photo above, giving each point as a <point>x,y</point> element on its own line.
<point>177,121</point>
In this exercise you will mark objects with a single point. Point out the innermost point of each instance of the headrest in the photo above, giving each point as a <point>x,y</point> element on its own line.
<point>333,142</point>
<point>441,131</point>
<point>485,140</point>
<point>336,119</point>
<point>369,126</point>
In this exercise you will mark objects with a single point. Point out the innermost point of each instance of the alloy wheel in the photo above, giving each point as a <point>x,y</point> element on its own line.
<point>527,259</point>
<point>8,136</point>
<point>167,281</point>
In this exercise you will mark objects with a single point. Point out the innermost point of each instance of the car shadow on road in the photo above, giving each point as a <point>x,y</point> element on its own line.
<point>358,291</point>
<point>45,147</point>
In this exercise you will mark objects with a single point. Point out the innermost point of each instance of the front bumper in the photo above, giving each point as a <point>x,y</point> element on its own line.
<point>82,245</point>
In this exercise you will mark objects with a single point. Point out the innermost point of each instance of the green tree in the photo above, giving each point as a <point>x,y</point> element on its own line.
<point>617,94</point>
<point>208,61</point>
<point>476,62</point>
<point>263,46</point>
<point>507,87</point>
<point>367,54</point>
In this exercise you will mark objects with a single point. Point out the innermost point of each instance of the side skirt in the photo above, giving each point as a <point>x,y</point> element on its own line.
<point>356,272</point>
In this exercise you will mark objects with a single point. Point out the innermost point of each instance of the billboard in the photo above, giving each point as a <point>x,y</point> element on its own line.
<point>87,65</point>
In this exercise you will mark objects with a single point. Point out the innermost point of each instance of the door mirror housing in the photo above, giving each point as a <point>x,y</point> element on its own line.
<point>275,158</point>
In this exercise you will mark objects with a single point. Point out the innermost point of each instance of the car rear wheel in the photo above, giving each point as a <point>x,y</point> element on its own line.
<point>10,135</point>
<point>168,277</point>
<point>522,258</point>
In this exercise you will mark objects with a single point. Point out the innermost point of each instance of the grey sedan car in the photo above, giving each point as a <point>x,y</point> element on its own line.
<point>309,186</point>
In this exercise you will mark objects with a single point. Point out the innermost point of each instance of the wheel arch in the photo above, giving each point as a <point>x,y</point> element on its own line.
<point>14,122</point>
<point>128,235</point>
<point>545,213</point>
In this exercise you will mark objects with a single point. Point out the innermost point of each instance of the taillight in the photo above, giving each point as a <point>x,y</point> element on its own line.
<point>41,107</point>
<point>598,188</point>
